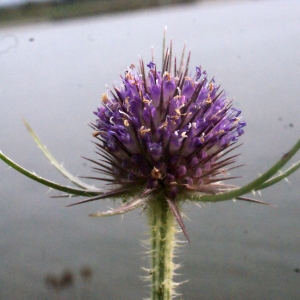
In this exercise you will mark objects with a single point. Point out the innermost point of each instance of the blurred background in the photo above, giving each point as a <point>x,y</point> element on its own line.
<point>56,58</point>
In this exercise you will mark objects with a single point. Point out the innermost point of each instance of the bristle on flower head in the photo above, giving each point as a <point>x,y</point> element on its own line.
<point>164,131</point>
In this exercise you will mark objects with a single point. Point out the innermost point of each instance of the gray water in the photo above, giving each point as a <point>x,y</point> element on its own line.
<point>53,75</point>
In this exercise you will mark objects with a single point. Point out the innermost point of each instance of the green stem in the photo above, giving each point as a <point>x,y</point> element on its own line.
<point>163,229</point>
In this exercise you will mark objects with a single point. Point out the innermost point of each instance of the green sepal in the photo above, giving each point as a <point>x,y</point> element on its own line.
<point>51,184</point>
<point>261,182</point>
<point>75,180</point>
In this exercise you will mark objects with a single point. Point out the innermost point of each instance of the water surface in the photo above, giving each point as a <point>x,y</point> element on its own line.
<point>53,74</point>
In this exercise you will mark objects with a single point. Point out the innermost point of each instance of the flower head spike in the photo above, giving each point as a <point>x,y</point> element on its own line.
<point>163,133</point>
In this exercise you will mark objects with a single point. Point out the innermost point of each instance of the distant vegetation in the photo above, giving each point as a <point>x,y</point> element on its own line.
<point>62,9</point>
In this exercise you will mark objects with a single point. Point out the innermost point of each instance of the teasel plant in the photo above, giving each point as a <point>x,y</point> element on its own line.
<point>164,137</point>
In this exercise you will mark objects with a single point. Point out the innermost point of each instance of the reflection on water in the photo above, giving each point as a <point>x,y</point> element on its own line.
<point>62,283</point>
<point>53,74</point>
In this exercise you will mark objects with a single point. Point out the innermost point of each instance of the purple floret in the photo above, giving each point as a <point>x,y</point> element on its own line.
<point>165,131</point>
<point>166,116</point>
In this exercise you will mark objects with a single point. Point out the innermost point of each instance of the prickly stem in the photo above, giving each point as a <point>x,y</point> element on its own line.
<point>163,228</point>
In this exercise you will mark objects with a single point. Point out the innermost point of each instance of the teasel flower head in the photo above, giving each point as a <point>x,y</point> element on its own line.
<point>165,132</point>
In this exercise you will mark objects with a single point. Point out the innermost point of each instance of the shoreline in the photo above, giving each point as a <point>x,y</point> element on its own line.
<point>39,12</point>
